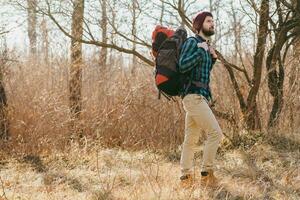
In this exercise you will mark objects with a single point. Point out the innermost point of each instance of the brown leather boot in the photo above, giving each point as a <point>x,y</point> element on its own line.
<point>187,181</point>
<point>209,180</point>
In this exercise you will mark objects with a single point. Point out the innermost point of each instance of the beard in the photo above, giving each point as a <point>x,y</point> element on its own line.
<point>208,32</point>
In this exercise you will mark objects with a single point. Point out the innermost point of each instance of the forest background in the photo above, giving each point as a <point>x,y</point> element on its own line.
<point>77,76</point>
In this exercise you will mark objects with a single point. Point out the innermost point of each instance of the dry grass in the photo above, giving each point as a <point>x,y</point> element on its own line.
<point>261,172</point>
<point>131,141</point>
<point>119,109</point>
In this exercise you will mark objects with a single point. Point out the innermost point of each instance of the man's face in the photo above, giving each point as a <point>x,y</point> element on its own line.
<point>208,27</point>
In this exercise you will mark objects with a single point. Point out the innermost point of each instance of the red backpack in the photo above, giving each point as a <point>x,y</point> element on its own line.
<point>159,35</point>
<point>169,81</point>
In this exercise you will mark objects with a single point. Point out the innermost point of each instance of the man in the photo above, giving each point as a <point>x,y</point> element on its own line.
<point>198,57</point>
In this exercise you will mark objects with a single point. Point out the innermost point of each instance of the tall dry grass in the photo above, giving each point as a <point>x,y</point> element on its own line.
<point>121,113</point>
<point>120,109</point>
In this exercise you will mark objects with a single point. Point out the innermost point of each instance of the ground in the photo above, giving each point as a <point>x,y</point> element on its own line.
<point>259,172</point>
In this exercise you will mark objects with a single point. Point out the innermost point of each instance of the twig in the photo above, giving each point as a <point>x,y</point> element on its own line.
<point>94,42</point>
<point>4,32</point>
<point>3,190</point>
<point>230,140</point>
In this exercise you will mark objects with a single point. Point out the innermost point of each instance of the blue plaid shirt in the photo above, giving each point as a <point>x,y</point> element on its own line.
<point>200,63</point>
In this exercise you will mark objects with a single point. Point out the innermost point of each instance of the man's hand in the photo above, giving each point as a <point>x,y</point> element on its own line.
<point>213,52</point>
<point>206,47</point>
<point>203,45</point>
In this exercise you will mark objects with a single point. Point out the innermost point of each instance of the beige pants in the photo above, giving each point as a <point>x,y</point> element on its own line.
<point>199,117</point>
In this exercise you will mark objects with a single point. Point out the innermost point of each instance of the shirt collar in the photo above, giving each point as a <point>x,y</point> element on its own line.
<point>201,38</point>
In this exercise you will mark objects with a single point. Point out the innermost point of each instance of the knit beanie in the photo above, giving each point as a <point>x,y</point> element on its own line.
<point>199,19</point>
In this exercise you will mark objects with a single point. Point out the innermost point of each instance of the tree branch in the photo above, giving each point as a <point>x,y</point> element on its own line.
<point>4,32</point>
<point>228,67</point>
<point>97,43</point>
<point>142,42</point>
<point>225,116</point>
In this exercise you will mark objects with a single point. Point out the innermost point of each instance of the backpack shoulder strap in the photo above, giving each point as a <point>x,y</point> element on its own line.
<point>194,38</point>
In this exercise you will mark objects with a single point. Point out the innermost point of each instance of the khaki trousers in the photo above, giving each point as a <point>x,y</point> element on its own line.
<point>199,117</point>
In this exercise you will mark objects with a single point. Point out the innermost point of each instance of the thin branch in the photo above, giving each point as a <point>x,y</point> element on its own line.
<point>223,115</point>
<point>287,4</point>
<point>181,13</point>
<point>88,30</point>
<point>3,190</point>
<point>4,32</point>
<point>142,42</point>
<point>238,92</point>
<point>190,4</point>
<point>230,64</point>
<point>98,43</point>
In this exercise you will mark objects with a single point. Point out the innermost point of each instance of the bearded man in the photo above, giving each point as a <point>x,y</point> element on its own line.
<point>197,57</point>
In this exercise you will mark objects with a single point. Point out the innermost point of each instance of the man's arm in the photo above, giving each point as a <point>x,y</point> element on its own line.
<point>190,56</point>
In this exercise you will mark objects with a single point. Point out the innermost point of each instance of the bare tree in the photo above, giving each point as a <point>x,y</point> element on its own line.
<point>76,66</point>
<point>112,36</point>
<point>249,106</point>
<point>4,131</point>
<point>237,34</point>
<point>45,40</point>
<point>181,6</point>
<point>103,53</point>
<point>286,31</point>
<point>293,83</point>
<point>285,28</point>
<point>252,116</point>
<point>32,23</point>
<point>135,11</point>
<point>95,42</point>
<point>162,12</point>
<point>247,99</point>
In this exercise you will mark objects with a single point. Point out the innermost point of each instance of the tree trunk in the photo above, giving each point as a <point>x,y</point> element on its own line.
<point>275,83</point>
<point>112,56</point>
<point>162,12</point>
<point>286,30</point>
<point>103,52</point>
<point>181,5</point>
<point>293,81</point>
<point>237,35</point>
<point>134,32</point>
<point>251,115</point>
<point>4,132</point>
<point>210,6</point>
<point>32,20</point>
<point>76,67</point>
<point>45,41</point>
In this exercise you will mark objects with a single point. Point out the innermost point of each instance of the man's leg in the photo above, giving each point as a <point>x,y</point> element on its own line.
<point>192,133</point>
<point>214,136</point>
<point>204,118</point>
